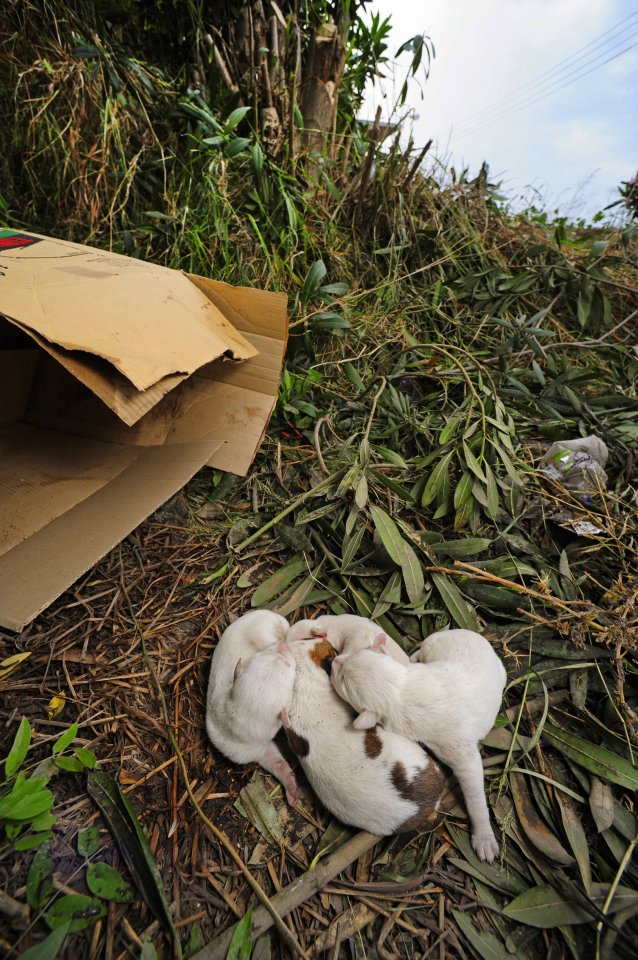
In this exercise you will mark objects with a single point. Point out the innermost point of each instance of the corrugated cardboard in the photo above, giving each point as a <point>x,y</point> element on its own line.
<point>119,379</point>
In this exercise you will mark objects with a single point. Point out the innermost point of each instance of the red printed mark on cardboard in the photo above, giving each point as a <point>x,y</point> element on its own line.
<point>10,240</point>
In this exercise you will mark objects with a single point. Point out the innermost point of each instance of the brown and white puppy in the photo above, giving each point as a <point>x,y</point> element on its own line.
<point>447,698</point>
<point>374,779</point>
<point>347,633</point>
<point>249,689</point>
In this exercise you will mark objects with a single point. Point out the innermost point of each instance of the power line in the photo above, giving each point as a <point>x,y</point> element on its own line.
<point>525,104</point>
<point>541,80</point>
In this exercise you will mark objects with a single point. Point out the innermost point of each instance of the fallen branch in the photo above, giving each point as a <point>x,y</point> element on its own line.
<point>295,893</point>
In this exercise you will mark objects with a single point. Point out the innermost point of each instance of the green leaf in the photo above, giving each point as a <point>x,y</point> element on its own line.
<point>88,841</point>
<point>48,948</point>
<point>457,606</point>
<point>486,944</point>
<point>543,907</point>
<point>86,757</point>
<point>436,480</point>
<point>313,280</point>
<point>40,879</point>
<point>19,749</point>
<point>335,289</point>
<point>32,840</point>
<point>132,843</point>
<point>463,489</point>
<point>65,740</point>
<point>400,552</point>
<point>361,492</point>
<point>468,547</point>
<point>277,583</point>
<point>70,764</point>
<point>236,146</point>
<point>194,943</point>
<point>296,597</point>
<point>492,491</point>
<point>389,533</point>
<point>235,118</point>
<point>575,833</point>
<point>473,463</point>
<point>107,883</point>
<point>258,158</point>
<point>604,763</point>
<point>44,822</point>
<point>391,456</point>
<point>148,951</point>
<point>76,910</point>
<point>241,943</point>
<point>27,800</point>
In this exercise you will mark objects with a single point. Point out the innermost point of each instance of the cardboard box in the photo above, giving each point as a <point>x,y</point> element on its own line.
<point>119,379</point>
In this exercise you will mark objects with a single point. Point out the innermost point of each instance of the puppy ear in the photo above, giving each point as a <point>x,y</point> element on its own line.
<point>316,632</point>
<point>283,716</point>
<point>379,644</point>
<point>365,721</point>
<point>238,668</point>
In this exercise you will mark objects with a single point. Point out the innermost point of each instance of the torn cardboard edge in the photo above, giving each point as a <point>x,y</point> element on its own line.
<point>85,455</point>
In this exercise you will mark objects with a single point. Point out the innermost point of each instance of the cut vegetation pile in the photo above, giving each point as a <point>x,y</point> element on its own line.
<point>438,345</point>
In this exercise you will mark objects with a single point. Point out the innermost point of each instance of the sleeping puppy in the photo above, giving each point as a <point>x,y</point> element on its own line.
<point>447,698</point>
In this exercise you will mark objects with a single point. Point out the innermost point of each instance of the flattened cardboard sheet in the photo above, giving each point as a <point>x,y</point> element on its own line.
<point>147,321</point>
<point>103,419</point>
<point>36,570</point>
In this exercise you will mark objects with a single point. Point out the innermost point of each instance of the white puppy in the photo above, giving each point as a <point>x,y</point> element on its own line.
<point>249,689</point>
<point>372,779</point>
<point>447,698</point>
<point>347,633</point>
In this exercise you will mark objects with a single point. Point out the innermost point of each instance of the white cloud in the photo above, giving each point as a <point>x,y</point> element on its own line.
<point>487,51</point>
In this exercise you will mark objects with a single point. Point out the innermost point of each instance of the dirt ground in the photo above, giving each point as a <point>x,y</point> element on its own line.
<point>89,646</point>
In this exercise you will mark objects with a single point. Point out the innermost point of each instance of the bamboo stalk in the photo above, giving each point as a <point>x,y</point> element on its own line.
<point>295,893</point>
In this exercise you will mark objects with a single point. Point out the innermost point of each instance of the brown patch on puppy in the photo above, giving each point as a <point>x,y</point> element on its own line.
<point>374,744</point>
<point>321,653</point>
<point>298,744</point>
<point>426,790</point>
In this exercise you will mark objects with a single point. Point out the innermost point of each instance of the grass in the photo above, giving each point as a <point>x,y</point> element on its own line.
<point>437,346</point>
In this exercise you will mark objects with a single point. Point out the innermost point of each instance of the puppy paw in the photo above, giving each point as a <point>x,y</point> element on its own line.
<point>485,846</point>
<point>292,791</point>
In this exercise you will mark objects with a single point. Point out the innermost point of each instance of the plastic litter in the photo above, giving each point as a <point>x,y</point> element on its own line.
<point>579,465</point>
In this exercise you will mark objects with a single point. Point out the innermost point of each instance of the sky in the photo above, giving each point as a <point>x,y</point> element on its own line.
<point>565,148</point>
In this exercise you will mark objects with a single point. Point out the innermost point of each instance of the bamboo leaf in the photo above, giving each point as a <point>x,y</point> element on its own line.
<point>49,947</point>
<point>486,944</point>
<point>436,480</point>
<point>463,489</point>
<point>241,944</point>
<point>575,833</point>
<point>473,463</point>
<point>601,804</point>
<point>605,764</point>
<point>468,547</point>
<point>10,663</point>
<point>133,845</point>
<point>457,606</point>
<point>545,908</point>
<point>492,491</point>
<point>277,583</point>
<point>534,828</point>
<point>401,552</point>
